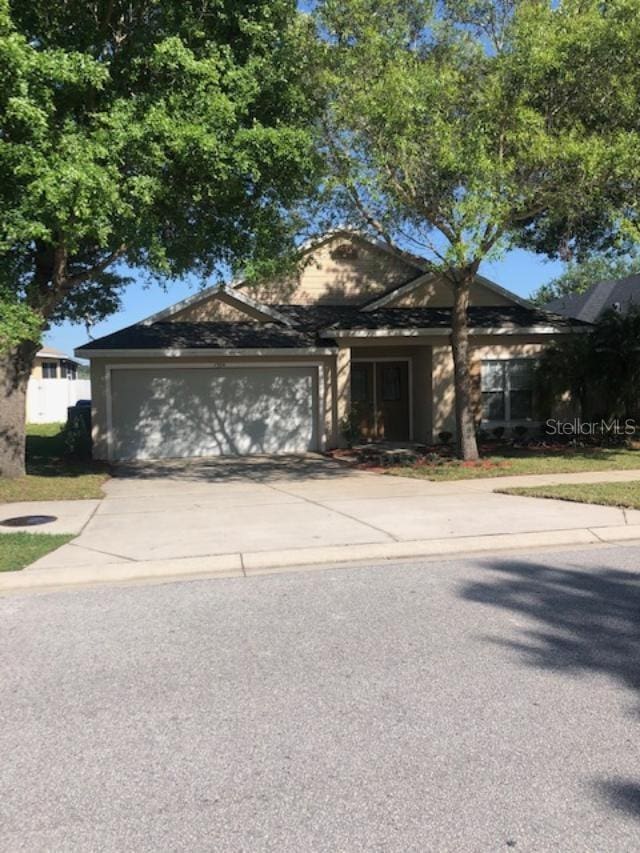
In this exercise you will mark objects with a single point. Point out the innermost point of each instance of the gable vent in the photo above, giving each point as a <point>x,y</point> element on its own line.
<point>345,252</point>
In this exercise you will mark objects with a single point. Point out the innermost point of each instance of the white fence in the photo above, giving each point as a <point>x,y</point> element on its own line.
<point>47,399</point>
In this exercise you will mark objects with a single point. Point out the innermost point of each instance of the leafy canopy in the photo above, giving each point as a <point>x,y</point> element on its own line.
<point>579,275</point>
<point>601,369</point>
<point>171,136</point>
<point>461,129</point>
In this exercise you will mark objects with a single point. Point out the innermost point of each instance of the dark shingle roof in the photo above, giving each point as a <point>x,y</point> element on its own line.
<point>203,336</point>
<point>308,324</point>
<point>600,297</point>
<point>352,317</point>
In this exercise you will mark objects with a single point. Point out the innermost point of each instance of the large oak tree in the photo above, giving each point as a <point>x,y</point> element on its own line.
<point>462,128</point>
<point>165,136</point>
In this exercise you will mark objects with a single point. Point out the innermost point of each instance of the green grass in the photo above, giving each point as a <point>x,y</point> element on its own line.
<point>17,550</point>
<point>609,494</point>
<point>51,475</point>
<point>511,462</point>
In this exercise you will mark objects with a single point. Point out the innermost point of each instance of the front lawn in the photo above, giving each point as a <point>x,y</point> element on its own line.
<point>17,550</point>
<point>512,461</point>
<point>609,494</point>
<point>51,475</point>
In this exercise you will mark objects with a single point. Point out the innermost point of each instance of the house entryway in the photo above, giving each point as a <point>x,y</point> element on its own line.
<point>380,399</point>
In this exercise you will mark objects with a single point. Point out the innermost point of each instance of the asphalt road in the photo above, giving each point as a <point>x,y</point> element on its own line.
<point>477,705</point>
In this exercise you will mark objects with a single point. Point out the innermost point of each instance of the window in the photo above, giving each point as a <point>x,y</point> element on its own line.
<point>49,369</point>
<point>507,390</point>
<point>391,384</point>
<point>70,370</point>
<point>359,384</point>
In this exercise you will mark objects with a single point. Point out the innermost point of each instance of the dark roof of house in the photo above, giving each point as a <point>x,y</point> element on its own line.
<point>314,317</point>
<point>600,297</point>
<point>220,335</point>
<point>309,323</point>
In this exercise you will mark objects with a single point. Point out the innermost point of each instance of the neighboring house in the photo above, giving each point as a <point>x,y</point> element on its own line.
<point>54,386</point>
<point>361,337</point>
<point>617,294</point>
<point>50,363</point>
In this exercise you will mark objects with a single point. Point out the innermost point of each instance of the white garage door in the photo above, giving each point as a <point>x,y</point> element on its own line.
<point>165,413</point>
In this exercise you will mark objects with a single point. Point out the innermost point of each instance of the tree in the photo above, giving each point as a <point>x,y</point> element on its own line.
<point>579,275</point>
<point>463,128</point>
<point>169,136</point>
<point>600,370</point>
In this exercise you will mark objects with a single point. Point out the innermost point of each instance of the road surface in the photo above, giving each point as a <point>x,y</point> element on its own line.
<point>472,705</point>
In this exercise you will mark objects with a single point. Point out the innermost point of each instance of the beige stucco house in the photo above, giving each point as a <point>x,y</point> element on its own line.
<point>360,336</point>
<point>50,363</point>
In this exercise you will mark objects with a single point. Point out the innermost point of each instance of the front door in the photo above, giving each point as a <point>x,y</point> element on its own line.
<point>380,400</point>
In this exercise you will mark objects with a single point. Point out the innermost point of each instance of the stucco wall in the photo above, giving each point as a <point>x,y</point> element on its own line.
<point>36,370</point>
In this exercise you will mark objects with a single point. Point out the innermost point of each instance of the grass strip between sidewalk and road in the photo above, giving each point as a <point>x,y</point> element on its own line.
<point>626,495</point>
<point>17,550</point>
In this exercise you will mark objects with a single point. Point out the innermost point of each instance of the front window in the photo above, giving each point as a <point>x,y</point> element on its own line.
<point>507,390</point>
<point>49,369</point>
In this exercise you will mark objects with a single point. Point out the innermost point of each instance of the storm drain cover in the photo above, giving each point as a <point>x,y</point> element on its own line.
<point>27,520</point>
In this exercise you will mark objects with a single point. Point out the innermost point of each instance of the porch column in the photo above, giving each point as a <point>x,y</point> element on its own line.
<point>444,395</point>
<point>343,385</point>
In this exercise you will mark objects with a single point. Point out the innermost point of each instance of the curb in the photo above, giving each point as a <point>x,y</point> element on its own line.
<point>273,562</point>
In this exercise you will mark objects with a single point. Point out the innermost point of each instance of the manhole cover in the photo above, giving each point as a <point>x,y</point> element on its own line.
<point>27,520</point>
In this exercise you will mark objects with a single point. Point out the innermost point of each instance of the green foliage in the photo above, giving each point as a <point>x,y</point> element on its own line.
<point>460,129</point>
<point>171,137</point>
<point>599,369</point>
<point>579,275</point>
<point>350,428</point>
<point>465,128</point>
<point>17,323</point>
<point>77,435</point>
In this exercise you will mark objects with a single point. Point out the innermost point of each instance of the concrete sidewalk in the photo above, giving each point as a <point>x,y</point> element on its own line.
<point>186,521</point>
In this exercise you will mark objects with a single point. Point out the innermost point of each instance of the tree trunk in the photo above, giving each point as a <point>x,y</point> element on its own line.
<point>465,426</point>
<point>15,369</point>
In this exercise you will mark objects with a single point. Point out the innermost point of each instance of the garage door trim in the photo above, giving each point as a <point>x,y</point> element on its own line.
<point>223,365</point>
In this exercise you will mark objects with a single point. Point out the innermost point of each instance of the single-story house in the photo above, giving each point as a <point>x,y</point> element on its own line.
<point>617,294</point>
<point>359,339</point>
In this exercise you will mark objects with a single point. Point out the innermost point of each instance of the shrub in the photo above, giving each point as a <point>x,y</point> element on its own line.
<point>498,433</point>
<point>445,436</point>
<point>520,432</point>
<point>77,436</point>
<point>349,429</point>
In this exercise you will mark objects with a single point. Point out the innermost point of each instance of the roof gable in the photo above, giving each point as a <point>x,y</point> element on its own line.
<point>343,268</point>
<point>434,291</point>
<point>219,304</point>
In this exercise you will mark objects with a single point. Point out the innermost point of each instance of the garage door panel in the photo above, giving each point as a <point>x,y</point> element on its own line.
<point>185,412</point>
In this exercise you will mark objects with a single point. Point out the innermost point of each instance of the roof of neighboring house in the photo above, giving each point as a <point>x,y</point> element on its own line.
<point>600,297</point>
<point>312,326</point>
<point>50,352</point>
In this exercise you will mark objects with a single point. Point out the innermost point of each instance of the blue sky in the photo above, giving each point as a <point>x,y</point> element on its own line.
<point>519,271</point>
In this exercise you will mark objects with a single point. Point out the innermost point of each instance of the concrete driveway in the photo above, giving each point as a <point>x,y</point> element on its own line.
<point>276,511</point>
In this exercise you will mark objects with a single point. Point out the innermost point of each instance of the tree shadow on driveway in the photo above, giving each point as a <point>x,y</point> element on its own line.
<point>581,620</point>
